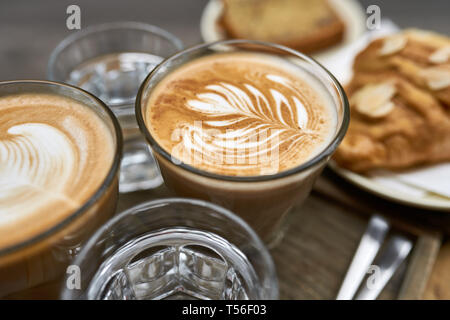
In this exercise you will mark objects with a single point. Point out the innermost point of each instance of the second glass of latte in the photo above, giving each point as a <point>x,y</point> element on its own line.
<point>60,150</point>
<point>244,124</point>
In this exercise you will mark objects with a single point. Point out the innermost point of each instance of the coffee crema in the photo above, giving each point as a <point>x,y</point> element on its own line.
<point>54,154</point>
<point>241,114</point>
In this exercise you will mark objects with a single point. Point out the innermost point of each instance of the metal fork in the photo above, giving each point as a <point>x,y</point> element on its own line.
<point>397,249</point>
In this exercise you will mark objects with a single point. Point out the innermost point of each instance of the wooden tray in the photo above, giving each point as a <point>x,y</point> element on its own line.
<point>313,257</point>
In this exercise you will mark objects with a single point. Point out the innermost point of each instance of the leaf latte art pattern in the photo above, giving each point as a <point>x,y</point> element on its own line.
<point>260,121</point>
<point>255,141</point>
<point>51,161</point>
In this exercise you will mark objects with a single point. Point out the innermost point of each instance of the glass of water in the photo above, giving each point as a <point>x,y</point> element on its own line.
<point>173,248</point>
<point>111,61</point>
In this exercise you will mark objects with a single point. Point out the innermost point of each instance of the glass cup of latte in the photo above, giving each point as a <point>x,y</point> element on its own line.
<point>60,150</point>
<point>244,124</point>
<point>174,248</point>
<point>111,61</point>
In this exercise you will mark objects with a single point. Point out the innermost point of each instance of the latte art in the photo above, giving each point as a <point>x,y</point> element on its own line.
<point>38,161</point>
<point>240,114</point>
<point>53,153</point>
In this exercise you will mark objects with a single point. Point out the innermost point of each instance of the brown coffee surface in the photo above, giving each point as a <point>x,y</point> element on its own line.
<point>241,114</point>
<point>54,154</point>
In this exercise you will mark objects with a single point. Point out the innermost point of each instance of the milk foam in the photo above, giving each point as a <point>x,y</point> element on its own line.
<point>54,153</point>
<point>241,114</point>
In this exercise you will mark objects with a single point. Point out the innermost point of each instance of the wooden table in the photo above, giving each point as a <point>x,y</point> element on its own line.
<point>29,30</point>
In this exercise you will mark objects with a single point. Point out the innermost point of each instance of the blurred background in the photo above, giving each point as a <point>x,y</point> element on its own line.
<point>29,30</point>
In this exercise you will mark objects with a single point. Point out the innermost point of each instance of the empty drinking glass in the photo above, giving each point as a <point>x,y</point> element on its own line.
<point>174,249</point>
<point>111,61</point>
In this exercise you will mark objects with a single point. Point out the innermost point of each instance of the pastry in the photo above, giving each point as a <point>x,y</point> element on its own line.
<point>400,106</point>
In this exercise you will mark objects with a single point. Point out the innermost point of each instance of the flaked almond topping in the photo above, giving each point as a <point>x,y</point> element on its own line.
<point>393,44</point>
<point>374,100</point>
<point>440,56</point>
<point>437,78</point>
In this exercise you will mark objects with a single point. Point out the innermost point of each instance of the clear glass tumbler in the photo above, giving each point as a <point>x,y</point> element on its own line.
<point>174,249</point>
<point>111,61</point>
<point>263,201</point>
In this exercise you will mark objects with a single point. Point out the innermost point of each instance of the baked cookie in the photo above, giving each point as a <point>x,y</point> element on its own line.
<point>399,101</point>
<point>304,25</point>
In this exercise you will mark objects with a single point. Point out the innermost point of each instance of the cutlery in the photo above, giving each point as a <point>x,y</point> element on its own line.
<point>388,261</point>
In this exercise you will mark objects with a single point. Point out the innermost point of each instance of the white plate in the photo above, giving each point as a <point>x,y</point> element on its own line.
<point>350,11</point>
<point>424,200</point>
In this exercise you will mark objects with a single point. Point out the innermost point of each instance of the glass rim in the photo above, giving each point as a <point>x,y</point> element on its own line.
<point>103,187</point>
<point>324,153</point>
<point>123,25</point>
<point>151,204</point>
